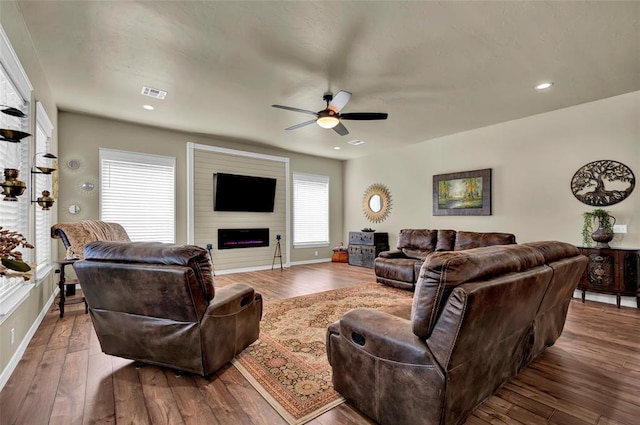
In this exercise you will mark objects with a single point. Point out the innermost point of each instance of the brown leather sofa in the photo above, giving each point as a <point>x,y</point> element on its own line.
<point>478,317</point>
<point>155,303</point>
<point>400,268</point>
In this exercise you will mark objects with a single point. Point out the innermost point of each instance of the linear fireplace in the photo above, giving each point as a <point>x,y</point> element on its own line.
<point>242,238</point>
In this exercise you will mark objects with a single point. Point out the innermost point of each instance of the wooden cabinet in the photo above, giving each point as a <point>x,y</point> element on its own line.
<point>612,271</point>
<point>364,247</point>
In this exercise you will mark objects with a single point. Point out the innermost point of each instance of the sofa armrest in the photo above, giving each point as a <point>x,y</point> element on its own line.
<point>383,335</point>
<point>396,253</point>
<point>230,300</point>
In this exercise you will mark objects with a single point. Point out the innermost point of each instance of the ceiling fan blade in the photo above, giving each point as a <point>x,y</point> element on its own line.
<point>289,108</point>
<point>364,116</point>
<point>341,129</point>
<point>302,124</point>
<point>339,100</point>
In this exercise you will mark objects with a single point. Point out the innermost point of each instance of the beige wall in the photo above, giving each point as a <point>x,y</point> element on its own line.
<point>81,136</point>
<point>22,320</point>
<point>533,160</point>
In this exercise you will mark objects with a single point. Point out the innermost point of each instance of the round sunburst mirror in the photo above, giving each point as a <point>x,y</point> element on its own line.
<point>376,203</point>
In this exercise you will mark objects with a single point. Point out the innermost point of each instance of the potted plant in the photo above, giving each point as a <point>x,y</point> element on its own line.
<point>603,234</point>
<point>10,258</point>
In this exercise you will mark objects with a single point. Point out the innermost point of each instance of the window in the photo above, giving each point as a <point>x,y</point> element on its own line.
<point>15,91</point>
<point>44,129</point>
<point>310,210</point>
<point>138,191</point>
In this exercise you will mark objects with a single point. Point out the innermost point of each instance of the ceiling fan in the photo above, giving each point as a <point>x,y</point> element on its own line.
<point>330,116</point>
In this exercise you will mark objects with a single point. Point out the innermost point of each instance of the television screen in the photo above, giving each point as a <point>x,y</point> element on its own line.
<point>235,192</point>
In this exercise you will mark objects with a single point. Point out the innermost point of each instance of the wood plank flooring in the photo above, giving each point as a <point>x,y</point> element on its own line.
<point>590,376</point>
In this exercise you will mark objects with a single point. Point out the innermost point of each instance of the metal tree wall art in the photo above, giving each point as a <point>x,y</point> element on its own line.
<point>603,183</point>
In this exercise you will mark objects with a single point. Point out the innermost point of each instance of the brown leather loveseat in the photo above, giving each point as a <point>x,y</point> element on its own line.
<point>400,268</point>
<point>478,317</point>
<point>155,303</point>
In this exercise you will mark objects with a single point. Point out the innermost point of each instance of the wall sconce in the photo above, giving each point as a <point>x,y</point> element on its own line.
<point>45,201</point>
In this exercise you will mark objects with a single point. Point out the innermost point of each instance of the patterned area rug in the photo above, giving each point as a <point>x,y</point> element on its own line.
<point>288,364</point>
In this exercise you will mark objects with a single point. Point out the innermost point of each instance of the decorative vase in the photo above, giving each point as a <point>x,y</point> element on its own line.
<point>602,236</point>
<point>46,201</point>
<point>12,187</point>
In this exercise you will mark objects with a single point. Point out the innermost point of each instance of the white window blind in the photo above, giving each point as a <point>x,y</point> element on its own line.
<point>44,130</point>
<point>138,191</point>
<point>15,91</point>
<point>310,210</point>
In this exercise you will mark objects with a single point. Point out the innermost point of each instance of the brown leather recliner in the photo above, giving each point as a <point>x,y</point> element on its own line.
<point>155,303</point>
<point>478,317</point>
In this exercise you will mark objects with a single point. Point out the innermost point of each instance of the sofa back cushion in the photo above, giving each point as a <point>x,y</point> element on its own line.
<point>417,243</point>
<point>446,240</point>
<point>469,240</point>
<point>567,265</point>
<point>443,271</point>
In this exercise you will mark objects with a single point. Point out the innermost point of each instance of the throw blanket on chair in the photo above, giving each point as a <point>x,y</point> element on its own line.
<point>76,235</point>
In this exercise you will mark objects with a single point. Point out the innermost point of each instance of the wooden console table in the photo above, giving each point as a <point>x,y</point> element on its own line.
<point>612,271</point>
<point>364,247</point>
<point>67,287</point>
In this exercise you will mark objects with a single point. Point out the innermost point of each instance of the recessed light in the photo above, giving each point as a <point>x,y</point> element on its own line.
<point>337,148</point>
<point>356,142</point>
<point>543,86</point>
<point>148,107</point>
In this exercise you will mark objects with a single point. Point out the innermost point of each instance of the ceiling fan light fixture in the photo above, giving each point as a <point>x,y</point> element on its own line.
<point>328,122</point>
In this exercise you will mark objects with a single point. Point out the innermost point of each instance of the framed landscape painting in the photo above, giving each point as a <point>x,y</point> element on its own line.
<point>465,193</point>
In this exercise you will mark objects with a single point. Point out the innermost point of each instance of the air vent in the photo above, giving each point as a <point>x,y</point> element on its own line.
<point>356,142</point>
<point>155,93</point>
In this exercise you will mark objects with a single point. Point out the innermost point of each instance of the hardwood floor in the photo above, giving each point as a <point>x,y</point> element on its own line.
<point>590,376</point>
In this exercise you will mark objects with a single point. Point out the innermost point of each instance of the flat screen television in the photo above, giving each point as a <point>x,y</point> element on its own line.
<point>234,192</point>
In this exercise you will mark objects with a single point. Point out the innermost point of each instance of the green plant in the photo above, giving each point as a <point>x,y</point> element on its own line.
<point>10,258</point>
<point>604,220</point>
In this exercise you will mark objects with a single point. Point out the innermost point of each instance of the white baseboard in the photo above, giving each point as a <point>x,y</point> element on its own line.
<point>268,267</point>
<point>250,269</point>
<point>604,298</point>
<point>15,359</point>
<point>317,260</point>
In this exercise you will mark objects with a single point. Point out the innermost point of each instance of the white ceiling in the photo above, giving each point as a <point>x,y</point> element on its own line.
<point>437,68</point>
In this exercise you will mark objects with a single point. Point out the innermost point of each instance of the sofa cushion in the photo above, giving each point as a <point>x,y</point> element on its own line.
<point>469,240</point>
<point>446,240</point>
<point>400,269</point>
<point>554,250</point>
<point>443,271</point>
<point>417,243</point>
<point>157,253</point>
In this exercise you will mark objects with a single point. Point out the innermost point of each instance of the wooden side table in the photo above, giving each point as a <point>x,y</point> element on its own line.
<point>65,287</point>
<point>612,271</point>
